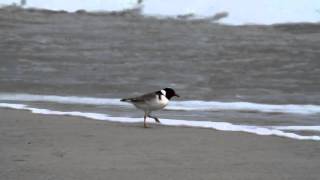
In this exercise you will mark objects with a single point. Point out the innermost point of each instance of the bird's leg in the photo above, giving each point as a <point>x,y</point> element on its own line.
<point>155,118</point>
<point>144,122</point>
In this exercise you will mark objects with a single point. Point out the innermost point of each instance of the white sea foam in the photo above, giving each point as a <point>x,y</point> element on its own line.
<point>74,5</point>
<point>238,12</point>
<point>298,128</point>
<point>245,106</point>
<point>223,126</point>
<point>61,99</point>
<point>174,105</point>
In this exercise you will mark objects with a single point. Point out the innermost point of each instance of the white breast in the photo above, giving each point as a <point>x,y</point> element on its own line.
<point>153,104</point>
<point>156,103</point>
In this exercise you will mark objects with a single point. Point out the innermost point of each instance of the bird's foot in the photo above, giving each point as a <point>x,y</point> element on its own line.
<point>157,120</point>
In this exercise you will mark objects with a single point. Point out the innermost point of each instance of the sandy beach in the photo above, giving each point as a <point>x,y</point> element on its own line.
<point>53,147</point>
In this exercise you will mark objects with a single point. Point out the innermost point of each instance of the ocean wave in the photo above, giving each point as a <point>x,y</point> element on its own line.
<point>222,126</point>
<point>305,109</point>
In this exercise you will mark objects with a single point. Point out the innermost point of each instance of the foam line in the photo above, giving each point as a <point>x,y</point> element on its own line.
<point>298,128</point>
<point>236,12</point>
<point>245,106</point>
<point>222,126</point>
<point>174,105</point>
<point>61,99</point>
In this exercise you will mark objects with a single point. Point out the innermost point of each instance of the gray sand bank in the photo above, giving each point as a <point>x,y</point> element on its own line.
<point>114,55</point>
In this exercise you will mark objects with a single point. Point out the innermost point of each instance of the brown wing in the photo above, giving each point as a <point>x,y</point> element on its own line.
<point>143,98</point>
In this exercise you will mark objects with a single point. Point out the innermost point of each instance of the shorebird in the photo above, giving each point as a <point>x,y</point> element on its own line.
<point>151,102</point>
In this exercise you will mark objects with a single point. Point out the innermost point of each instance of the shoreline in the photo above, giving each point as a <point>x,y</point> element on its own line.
<point>279,131</point>
<point>63,147</point>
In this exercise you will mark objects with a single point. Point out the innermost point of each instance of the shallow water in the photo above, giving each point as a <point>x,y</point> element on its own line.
<point>245,75</point>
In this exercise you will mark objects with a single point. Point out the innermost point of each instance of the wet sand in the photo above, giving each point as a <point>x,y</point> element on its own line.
<point>54,147</point>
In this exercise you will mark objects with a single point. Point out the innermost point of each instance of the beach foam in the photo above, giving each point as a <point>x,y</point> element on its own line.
<point>245,106</point>
<point>237,12</point>
<point>298,128</point>
<point>174,105</point>
<point>61,99</point>
<point>222,126</point>
<point>74,5</point>
<point>240,12</point>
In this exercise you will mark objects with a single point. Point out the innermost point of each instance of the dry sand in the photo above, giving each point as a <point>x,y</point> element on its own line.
<point>38,147</point>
